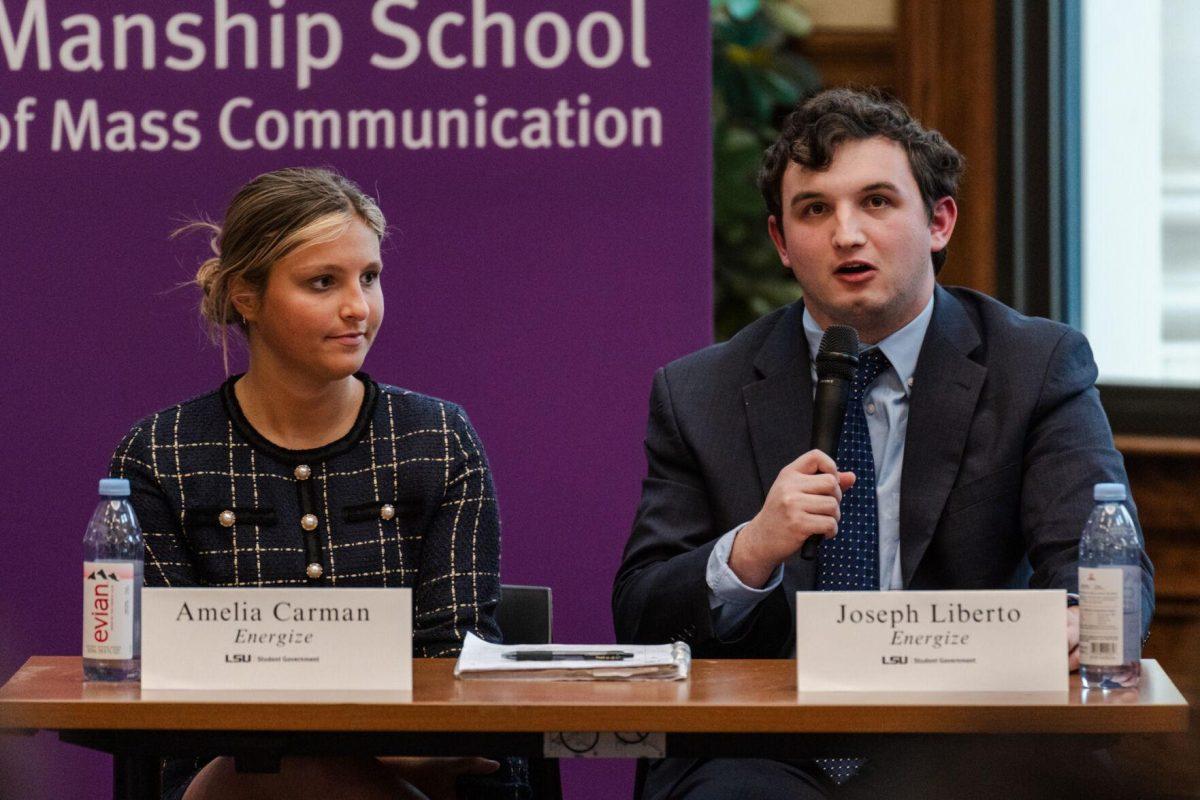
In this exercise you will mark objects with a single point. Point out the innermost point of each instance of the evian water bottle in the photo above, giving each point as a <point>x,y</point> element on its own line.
<point>1110,598</point>
<point>112,588</point>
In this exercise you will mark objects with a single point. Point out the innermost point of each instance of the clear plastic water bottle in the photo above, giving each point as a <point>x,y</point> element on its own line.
<point>112,588</point>
<point>1110,597</point>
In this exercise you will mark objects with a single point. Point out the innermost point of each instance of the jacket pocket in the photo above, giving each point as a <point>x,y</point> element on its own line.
<point>995,484</point>
<point>386,510</point>
<point>219,516</point>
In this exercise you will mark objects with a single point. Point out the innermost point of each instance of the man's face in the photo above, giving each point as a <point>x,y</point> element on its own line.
<point>858,239</point>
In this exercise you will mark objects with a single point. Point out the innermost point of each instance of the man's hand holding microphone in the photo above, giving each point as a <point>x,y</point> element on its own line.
<point>804,502</point>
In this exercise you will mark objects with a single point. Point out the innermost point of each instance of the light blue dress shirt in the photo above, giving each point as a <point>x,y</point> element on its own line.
<point>886,406</point>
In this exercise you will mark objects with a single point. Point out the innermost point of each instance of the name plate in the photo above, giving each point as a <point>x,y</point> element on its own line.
<point>288,638</point>
<point>973,641</point>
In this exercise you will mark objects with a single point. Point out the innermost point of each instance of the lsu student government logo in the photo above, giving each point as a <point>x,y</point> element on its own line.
<point>893,659</point>
<point>237,658</point>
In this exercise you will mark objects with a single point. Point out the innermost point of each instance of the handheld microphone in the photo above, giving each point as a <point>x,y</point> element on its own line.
<point>837,363</point>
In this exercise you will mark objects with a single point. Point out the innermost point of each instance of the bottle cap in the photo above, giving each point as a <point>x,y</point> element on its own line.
<point>1109,493</point>
<point>114,487</point>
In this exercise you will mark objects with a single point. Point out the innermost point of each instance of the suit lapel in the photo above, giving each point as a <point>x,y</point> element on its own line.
<point>946,387</point>
<point>779,404</point>
<point>779,418</point>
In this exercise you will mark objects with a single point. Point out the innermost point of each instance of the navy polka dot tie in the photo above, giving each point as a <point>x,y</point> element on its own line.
<point>849,562</point>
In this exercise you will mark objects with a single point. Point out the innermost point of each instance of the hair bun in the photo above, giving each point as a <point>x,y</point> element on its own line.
<point>206,275</point>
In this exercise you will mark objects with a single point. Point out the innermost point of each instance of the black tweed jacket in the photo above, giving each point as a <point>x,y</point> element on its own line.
<point>404,499</point>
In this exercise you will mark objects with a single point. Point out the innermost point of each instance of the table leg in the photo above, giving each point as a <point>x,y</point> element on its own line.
<point>136,777</point>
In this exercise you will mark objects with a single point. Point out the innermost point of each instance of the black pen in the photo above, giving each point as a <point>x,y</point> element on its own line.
<point>558,655</point>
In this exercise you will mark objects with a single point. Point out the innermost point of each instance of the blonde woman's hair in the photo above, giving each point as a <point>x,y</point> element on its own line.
<point>271,216</point>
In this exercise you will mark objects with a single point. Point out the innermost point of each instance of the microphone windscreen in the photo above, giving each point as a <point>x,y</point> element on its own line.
<point>837,356</point>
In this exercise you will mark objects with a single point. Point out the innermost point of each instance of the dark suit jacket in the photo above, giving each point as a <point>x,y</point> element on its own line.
<point>1005,439</point>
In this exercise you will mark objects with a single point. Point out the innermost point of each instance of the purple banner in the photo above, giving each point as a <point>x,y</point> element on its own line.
<point>544,167</point>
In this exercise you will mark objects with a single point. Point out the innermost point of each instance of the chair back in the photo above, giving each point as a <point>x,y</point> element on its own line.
<point>524,614</point>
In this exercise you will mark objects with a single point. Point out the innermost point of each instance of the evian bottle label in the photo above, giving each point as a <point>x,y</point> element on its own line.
<point>1107,607</point>
<point>108,609</point>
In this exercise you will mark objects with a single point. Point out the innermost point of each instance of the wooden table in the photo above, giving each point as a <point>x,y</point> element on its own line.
<point>726,708</point>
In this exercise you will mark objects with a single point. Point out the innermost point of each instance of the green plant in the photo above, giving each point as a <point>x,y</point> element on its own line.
<point>757,79</point>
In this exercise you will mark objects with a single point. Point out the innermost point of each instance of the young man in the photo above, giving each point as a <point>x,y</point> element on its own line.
<point>969,449</point>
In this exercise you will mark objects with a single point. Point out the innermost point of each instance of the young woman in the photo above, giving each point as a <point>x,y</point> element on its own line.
<point>305,471</point>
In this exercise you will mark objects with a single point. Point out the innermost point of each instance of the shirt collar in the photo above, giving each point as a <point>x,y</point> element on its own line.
<point>901,347</point>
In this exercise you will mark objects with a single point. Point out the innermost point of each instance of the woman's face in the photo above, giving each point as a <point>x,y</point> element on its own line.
<point>321,308</point>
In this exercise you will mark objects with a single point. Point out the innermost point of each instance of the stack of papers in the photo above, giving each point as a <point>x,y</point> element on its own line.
<point>573,662</point>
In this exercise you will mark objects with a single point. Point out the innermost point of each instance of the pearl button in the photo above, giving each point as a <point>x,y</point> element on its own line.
<point>910,383</point>
<point>309,522</point>
<point>870,408</point>
<point>227,518</point>
<point>303,472</point>
<point>314,571</point>
<point>387,511</point>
